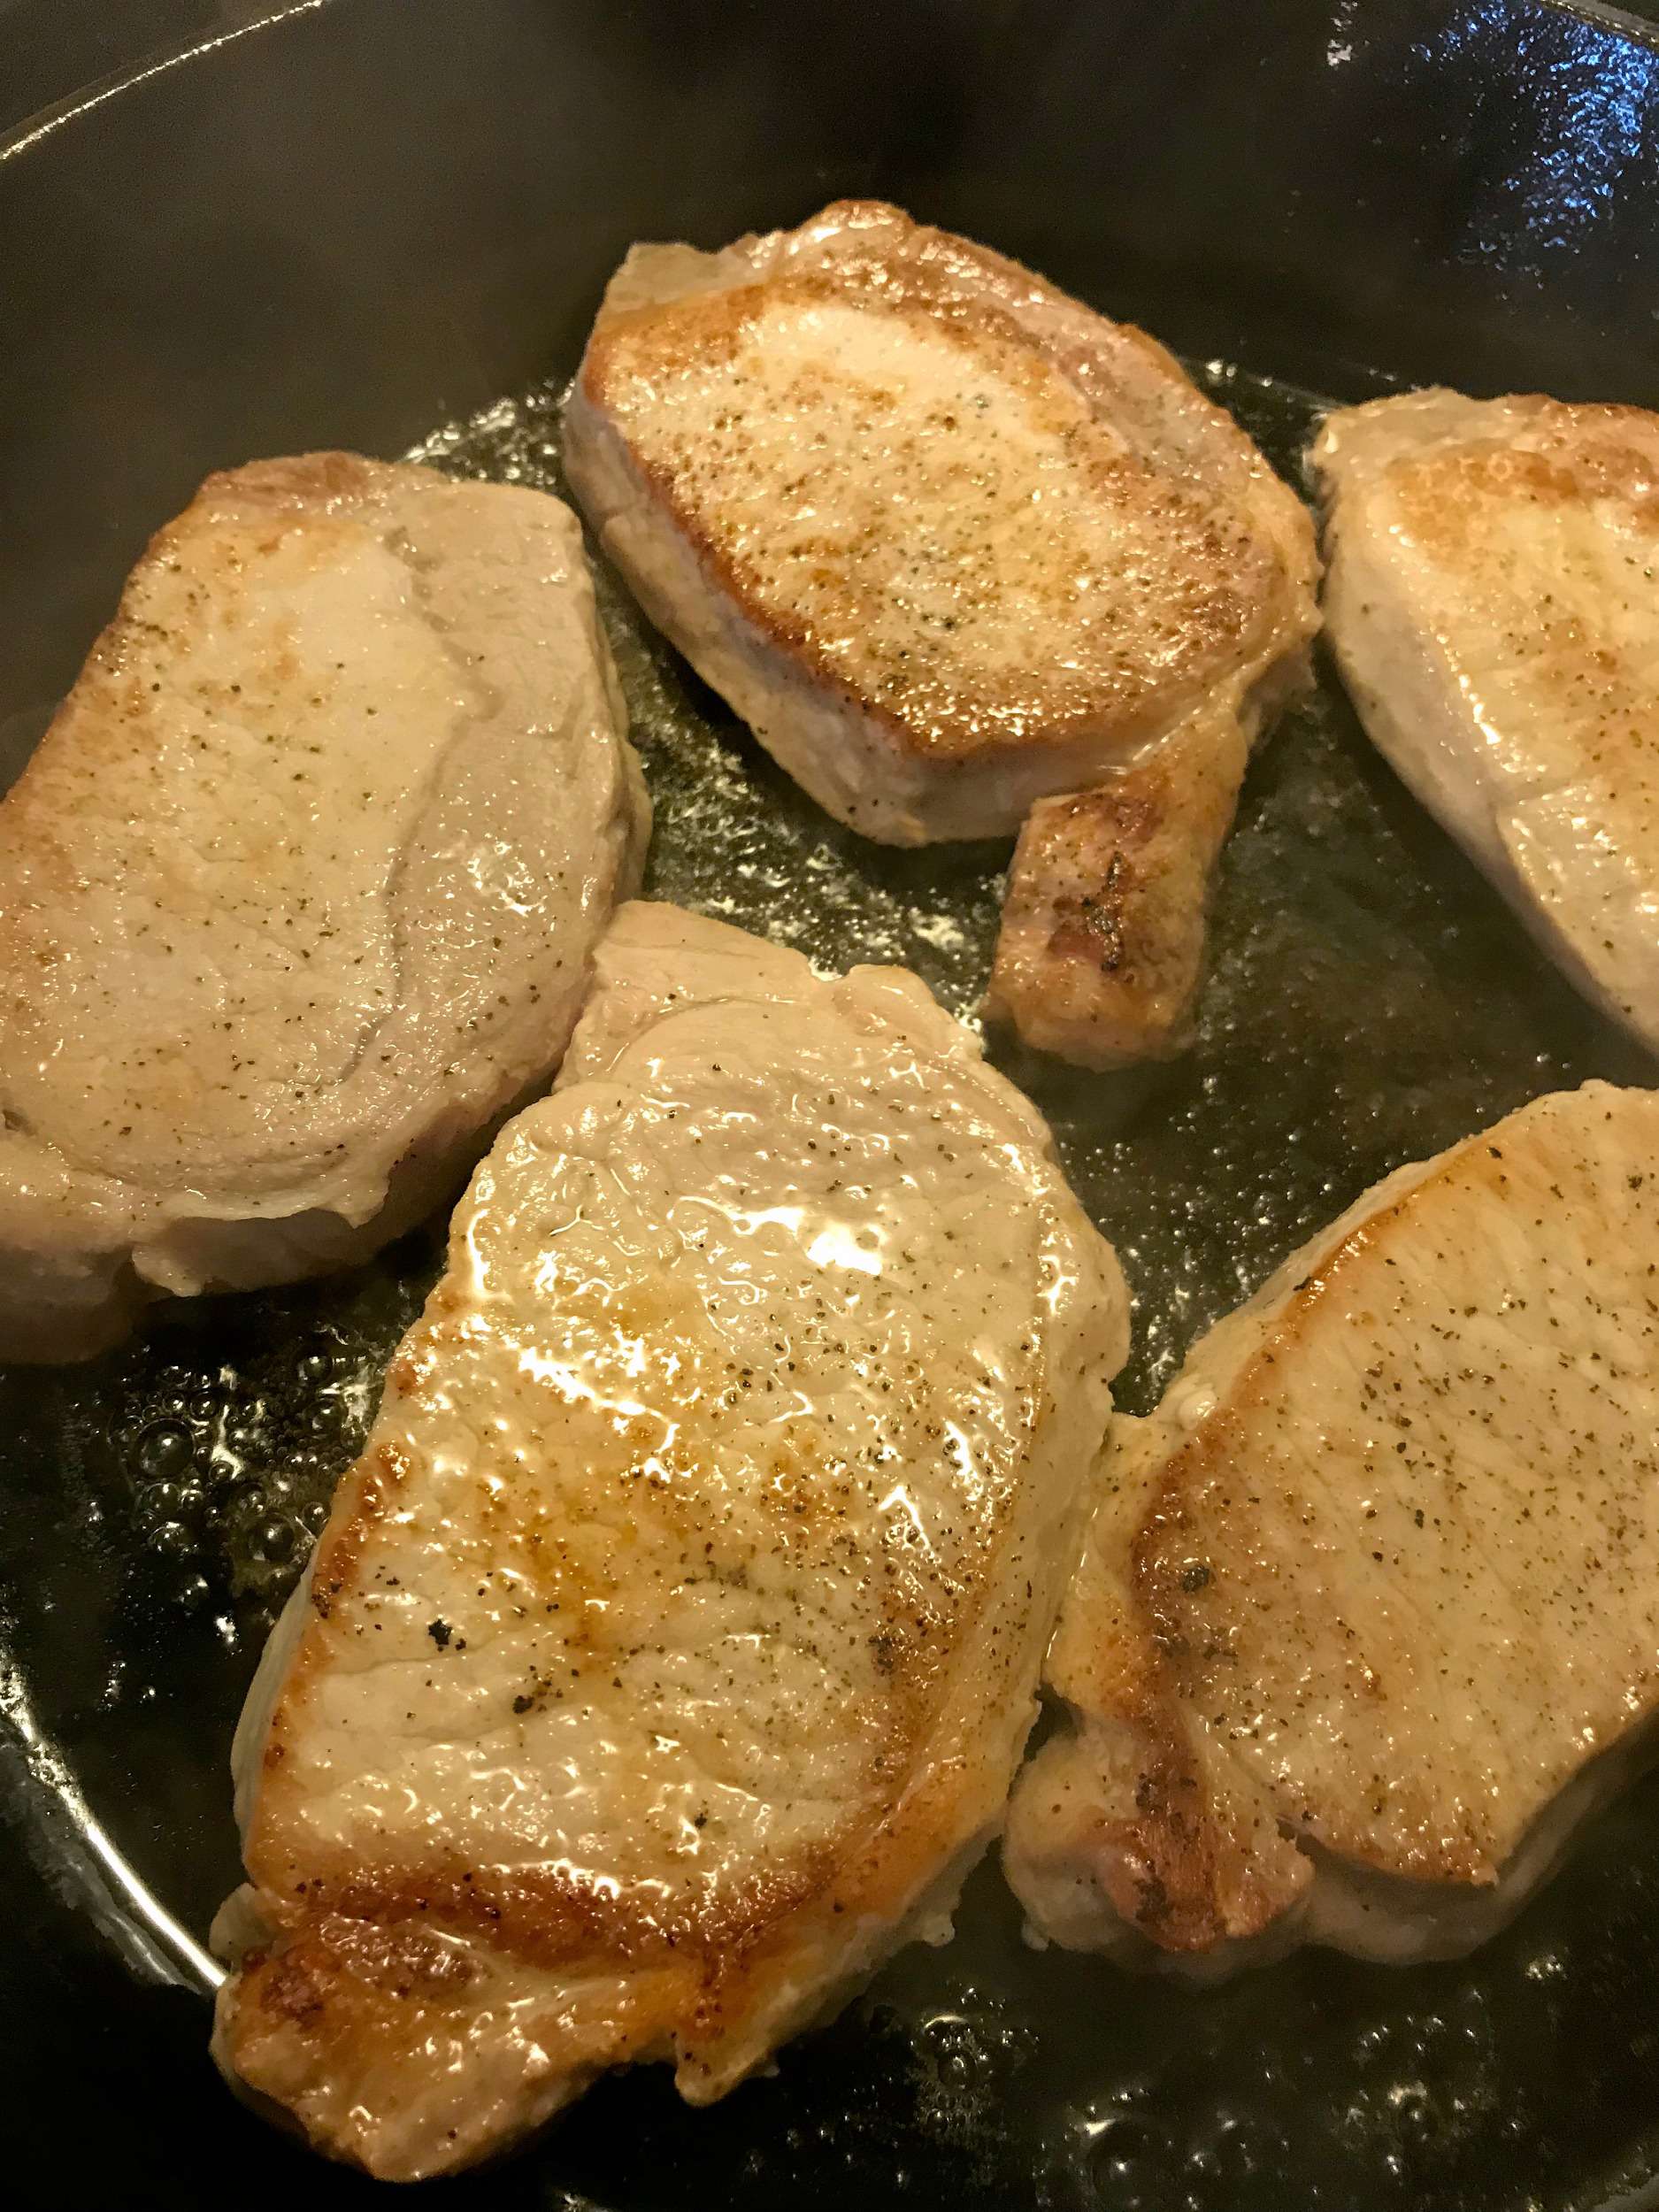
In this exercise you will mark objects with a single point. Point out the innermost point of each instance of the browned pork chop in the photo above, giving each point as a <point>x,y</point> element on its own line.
<point>1492,607</point>
<point>1101,952</point>
<point>298,893</point>
<point>947,540</point>
<point>1370,1613</point>
<point>668,1651</point>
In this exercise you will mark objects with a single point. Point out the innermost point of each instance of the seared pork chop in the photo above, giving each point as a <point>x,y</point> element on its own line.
<point>1370,1614</point>
<point>298,893</point>
<point>947,540</point>
<point>668,1651</point>
<point>1492,608</point>
<point>1101,952</point>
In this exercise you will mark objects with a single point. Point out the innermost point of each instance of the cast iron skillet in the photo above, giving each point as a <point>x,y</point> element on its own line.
<point>369,217</point>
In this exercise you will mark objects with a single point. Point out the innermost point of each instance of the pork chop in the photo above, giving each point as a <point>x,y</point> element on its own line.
<point>1492,608</point>
<point>949,541</point>
<point>1101,952</point>
<point>1370,1614</point>
<point>668,1651</point>
<point>298,893</point>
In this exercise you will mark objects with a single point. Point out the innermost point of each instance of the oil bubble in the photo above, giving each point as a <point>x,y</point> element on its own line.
<point>243,1499</point>
<point>1121,2148</point>
<point>273,1542</point>
<point>164,1448</point>
<point>157,1502</point>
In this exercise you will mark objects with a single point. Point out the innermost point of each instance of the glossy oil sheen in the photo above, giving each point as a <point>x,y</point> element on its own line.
<point>342,230</point>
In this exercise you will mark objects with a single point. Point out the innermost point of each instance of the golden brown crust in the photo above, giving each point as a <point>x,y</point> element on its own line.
<point>1447,495</point>
<point>1490,606</point>
<point>101,716</point>
<point>549,1919</point>
<point>1201,583</point>
<point>670,1644</point>
<point>1189,1625</point>
<point>1100,952</point>
<point>1293,1644</point>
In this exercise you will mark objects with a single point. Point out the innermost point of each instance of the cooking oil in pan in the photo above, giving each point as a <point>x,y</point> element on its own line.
<point>1370,1001</point>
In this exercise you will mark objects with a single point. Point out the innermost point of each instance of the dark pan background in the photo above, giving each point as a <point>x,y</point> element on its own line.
<point>372,216</point>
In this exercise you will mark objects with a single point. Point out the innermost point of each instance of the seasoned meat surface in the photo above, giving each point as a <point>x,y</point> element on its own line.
<point>298,893</point>
<point>1370,1613</point>
<point>1491,606</point>
<point>1101,952</point>
<point>669,1651</point>
<point>950,542</point>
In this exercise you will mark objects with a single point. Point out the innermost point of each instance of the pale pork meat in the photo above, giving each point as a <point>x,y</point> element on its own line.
<point>1490,604</point>
<point>1369,1615</point>
<point>950,542</point>
<point>668,1651</point>
<point>298,893</point>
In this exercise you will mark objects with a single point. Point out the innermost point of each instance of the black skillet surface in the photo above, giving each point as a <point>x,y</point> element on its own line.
<point>377,215</point>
